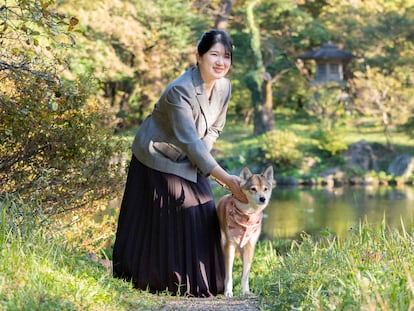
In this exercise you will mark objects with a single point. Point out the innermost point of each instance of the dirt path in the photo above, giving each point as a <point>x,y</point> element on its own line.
<point>212,304</point>
<point>221,303</point>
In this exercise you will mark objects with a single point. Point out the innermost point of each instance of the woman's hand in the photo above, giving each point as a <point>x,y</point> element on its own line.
<point>232,182</point>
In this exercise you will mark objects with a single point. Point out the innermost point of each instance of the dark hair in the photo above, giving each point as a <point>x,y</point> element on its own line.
<point>208,39</point>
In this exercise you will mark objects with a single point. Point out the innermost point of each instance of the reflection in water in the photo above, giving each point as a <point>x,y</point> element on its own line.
<point>296,210</point>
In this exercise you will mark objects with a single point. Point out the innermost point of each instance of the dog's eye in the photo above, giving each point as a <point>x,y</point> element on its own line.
<point>253,189</point>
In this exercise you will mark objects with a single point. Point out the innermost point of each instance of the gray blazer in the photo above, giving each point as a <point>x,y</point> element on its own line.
<point>179,134</point>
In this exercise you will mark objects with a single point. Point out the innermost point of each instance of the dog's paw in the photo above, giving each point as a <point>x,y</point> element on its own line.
<point>228,293</point>
<point>246,292</point>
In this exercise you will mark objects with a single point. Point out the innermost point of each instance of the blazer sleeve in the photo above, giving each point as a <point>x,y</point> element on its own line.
<point>180,116</point>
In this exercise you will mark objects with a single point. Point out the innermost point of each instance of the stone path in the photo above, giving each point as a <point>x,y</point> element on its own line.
<point>212,304</point>
<point>221,303</point>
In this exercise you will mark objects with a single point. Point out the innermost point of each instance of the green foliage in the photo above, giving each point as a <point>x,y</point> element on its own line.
<point>54,146</point>
<point>327,102</point>
<point>18,219</point>
<point>331,143</point>
<point>250,156</point>
<point>388,97</point>
<point>134,52</point>
<point>281,148</point>
<point>32,34</point>
<point>409,126</point>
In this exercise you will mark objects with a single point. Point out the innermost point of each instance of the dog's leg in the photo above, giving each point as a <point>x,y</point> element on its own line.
<point>247,257</point>
<point>229,253</point>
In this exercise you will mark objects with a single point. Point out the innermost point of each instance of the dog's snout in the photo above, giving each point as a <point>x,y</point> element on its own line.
<point>262,199</point>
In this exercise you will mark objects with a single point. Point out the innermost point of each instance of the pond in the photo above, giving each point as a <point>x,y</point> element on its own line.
<point>338,210</point>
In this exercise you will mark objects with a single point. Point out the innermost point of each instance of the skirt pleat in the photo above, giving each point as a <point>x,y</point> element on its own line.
<point>168,235</point>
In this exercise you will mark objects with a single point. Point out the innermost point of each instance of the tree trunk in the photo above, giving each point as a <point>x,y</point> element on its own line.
<point>268,118</point>
<point>222,17</point>
<point>253,83</point>
<point>254,80</point>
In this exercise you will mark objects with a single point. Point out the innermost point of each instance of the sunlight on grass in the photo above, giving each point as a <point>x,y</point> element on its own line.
<point>41,271</point>
<point>361,272</point>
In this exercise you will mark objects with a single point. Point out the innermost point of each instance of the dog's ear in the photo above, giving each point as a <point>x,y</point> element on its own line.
<point>245,174</point>
<point>268,174</point>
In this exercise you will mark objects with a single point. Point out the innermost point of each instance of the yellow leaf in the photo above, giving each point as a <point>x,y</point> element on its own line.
<point>15,51</point>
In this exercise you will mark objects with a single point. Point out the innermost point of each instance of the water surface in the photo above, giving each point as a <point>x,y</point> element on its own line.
<point>295,210</point>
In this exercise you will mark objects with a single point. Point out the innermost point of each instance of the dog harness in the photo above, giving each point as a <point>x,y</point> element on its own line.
<point>242,226</point>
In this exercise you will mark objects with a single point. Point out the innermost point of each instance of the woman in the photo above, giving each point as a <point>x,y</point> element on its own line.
<point>168,236</point>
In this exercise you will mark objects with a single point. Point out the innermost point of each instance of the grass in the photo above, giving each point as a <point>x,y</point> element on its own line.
<point>372,269</point>
<point>43,272</point>
<point>42,269</point>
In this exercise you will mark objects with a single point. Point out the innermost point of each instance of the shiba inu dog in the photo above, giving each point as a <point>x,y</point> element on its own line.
<point>241,223</point>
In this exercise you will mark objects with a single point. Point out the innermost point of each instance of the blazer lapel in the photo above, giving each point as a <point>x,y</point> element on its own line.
<point>202,97</point>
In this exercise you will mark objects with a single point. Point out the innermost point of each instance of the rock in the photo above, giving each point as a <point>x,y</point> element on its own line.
<point>360,155</point>
<point>333,177</point>
<point>402,165</point>
<point>286,181</point>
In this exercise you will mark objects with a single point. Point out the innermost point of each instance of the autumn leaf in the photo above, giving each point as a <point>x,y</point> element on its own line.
<point>72,23</point>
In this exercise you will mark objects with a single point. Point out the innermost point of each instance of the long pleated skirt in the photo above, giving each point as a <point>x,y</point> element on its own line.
<point>168,236</point>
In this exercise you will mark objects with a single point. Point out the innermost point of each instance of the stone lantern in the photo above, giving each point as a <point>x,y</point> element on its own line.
<point>330,63</point>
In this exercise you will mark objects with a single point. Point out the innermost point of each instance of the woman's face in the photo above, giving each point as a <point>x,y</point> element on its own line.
<point>215,63</point>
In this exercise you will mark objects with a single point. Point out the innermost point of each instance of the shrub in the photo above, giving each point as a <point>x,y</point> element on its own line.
<point>54,146</point>
<point>281,148</point>
<point>330,142</point>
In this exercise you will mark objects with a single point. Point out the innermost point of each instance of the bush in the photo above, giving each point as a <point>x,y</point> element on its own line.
<point>281,148</point>
<point>330,142</point>
<point>54,146</point>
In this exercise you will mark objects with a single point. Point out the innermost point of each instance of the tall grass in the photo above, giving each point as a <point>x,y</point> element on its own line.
<point>371,269</point>
<point>40,270</point>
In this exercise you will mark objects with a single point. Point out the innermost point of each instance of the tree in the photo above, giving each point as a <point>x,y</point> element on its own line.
<point>54,148</point>
<point>383,96</point>
<point>135,48</point>
<point>380,33</point>
<point>328,103</point>
<point>276,32</point>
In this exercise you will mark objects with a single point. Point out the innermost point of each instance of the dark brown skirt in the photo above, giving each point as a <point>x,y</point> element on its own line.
<point>168,236</point>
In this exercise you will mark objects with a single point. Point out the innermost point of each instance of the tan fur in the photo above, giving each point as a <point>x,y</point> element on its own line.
<point>243,236</point>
